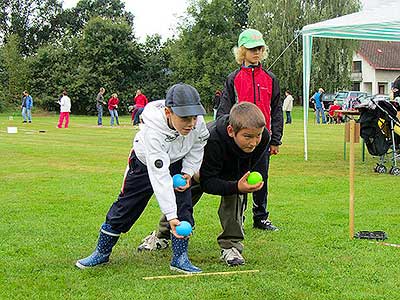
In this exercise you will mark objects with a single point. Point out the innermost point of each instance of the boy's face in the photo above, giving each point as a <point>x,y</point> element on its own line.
<point>253,56</point>
<point>247,139</point>
<point>181,124</point>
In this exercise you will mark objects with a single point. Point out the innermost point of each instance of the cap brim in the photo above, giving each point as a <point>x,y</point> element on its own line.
<point>254,44</point>
<point>189,110</point>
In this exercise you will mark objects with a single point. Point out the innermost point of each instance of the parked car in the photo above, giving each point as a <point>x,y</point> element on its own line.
<point>364,98</point>
<point>346,98</point>
<point>378,97</point>
<point>327,99</point>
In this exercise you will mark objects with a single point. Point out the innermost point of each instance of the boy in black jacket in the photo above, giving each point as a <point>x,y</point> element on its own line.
<point>236,143</point>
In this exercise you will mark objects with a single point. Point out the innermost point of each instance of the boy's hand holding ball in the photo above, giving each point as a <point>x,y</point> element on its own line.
<point>180,229</point>
<point>181,182</point>
<point>184,229</point>
<point>254,178</point>
<point>250,182</point>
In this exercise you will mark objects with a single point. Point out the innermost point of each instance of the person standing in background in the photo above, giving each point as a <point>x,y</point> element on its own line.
<point>99,106</point>
<point>112,108</point>
<point>65,109</point>
<point>319,105</point>
<point>216,100</point>
<point>140,102</point>
<point>288,106</point>
<point>26,106</point>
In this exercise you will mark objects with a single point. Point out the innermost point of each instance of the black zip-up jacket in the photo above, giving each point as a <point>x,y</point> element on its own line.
<point>224,163</point>
<point>256,85</point>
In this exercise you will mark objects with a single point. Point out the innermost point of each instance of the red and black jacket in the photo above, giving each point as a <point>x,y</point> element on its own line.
<point>254,84</point>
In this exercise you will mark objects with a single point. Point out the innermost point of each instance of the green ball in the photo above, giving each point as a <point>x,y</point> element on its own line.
<point>254,178</point>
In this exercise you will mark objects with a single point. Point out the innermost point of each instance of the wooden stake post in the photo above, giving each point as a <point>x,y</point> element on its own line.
<point>352,134</point>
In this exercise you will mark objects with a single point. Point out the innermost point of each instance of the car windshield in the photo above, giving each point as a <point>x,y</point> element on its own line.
<point>341,95</point>
<point>355,94</point>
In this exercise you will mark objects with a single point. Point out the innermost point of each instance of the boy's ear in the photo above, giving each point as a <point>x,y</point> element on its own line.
<point>230,131</point>
<point>168,112</point>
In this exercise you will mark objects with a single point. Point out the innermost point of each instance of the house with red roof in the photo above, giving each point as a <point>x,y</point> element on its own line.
<point>376,65</point>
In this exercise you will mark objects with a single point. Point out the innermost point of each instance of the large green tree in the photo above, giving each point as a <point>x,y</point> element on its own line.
<point>34,21</point>
<point>202,55</point>
<point>75,19</point>
<point>14,72</point>
<point>104,55</point>
<point>280,22</point>
<point>155,75</point>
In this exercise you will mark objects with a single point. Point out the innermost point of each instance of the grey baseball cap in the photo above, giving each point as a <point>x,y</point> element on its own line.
<point>184,100</point>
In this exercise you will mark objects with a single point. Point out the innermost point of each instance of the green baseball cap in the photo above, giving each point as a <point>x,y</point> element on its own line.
<point>251,38</point>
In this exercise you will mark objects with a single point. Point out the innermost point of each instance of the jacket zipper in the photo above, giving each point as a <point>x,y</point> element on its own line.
<point>258,87</point>
<point>254,86</point>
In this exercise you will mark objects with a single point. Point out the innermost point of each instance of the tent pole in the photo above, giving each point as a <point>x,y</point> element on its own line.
<point>307,50</point>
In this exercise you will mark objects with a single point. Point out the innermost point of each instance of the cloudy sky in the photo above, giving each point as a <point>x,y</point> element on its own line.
<point>160,16</point>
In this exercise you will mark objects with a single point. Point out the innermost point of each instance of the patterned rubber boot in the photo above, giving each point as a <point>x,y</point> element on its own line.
<point>180,261</point>
<point>107,239</point>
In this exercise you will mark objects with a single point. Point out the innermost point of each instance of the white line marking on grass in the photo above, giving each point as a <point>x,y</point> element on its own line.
<point>388,244</point>
<point>200,274</point>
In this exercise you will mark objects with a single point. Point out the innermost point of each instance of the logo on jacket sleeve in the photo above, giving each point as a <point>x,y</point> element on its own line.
<point>158,163</point>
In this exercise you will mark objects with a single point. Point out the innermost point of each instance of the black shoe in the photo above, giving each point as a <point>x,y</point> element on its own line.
<point>265,224</point>
<point>23,121</point>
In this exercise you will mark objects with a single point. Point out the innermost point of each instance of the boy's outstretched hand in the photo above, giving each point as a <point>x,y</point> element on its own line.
<point>244,187</point>
<point>173,223</point>
<point>187,185</point>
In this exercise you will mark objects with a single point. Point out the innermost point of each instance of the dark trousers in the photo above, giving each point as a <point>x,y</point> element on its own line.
<point>288,117</point>
<point>136,119</point>
<point>260,198</point>
<point>230,212</point>
<point>136,193</point>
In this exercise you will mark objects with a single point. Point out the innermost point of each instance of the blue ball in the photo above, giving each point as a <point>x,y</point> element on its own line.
<point>178,180</point>
<point>184,228</point>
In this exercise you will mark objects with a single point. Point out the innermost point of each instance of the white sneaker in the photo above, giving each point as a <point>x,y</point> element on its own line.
<point>152,242</point>
<point>232,257</point>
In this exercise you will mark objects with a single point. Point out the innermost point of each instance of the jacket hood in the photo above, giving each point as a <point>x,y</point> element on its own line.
<point>154,117</point>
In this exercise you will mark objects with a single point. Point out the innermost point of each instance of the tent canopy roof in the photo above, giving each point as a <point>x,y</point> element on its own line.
<point>381,23</point>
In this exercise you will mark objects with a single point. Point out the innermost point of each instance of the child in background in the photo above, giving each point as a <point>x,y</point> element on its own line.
<point>333,116</point>
<point>140,102</point>
<point>65,109</point>
<point>112,108</point>
<point>288,106</point>
<point>171,141</point>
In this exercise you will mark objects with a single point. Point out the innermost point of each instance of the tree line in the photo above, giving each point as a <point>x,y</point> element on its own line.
<point>45,49</point>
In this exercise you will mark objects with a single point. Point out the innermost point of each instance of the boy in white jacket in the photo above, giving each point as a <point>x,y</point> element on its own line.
<point>65,109</point>
<point>170,141</point>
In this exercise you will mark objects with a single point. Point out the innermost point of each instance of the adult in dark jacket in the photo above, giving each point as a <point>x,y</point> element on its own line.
<point>251,83</point>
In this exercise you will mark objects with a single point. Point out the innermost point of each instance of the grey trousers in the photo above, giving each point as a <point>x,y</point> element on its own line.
<point>230,212</point>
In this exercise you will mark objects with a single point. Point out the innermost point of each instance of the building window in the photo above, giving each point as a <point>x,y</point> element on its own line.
<point>381,88</point>
<point>356,66</point>
<point>356,86</point>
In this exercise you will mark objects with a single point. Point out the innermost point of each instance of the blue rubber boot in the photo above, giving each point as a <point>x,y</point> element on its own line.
<point>107,239</point>
<point>180,261</point>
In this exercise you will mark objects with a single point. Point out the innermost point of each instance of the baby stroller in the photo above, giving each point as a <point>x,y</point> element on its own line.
<point>380,129</point>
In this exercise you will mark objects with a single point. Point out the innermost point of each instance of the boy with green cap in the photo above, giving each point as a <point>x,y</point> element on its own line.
<point>251,83</point>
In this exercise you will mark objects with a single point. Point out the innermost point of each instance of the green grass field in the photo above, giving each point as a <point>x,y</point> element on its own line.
<point>56,187</point>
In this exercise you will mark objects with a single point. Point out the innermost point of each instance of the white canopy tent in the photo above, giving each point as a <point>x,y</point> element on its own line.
<point>381,23</point>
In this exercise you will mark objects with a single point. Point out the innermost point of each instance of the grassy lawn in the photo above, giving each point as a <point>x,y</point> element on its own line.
<point>56,187</point>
